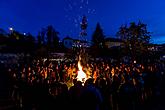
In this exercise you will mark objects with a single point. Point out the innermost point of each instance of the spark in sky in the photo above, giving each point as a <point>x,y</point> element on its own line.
<point>75,10</point>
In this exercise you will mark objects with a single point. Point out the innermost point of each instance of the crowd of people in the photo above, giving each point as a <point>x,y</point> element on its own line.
<point>110,86</point>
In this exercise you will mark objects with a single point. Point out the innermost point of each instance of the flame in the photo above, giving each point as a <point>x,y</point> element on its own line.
<point>81,75</point>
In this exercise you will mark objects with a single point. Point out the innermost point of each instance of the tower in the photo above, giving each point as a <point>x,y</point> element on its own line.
<point>84,25</point>
<point>83,40</point>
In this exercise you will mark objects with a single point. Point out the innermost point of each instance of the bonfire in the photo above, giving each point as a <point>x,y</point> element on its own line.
<point>81,75</point>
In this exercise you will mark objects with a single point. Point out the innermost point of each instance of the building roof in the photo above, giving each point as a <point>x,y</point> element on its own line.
<point>68,38</point>
<point>113,39</point>
<point>82,41</point>
<point>75,40</point>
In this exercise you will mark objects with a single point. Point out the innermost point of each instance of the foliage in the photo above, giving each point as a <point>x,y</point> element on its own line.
<point>3,33</point>
<point>30,42</point>
<point>98,37</point>
<point>98,42</point>
<point>17,42</point>
<point>135,37</point>
<point>52,37</point>
<point>39,42</point>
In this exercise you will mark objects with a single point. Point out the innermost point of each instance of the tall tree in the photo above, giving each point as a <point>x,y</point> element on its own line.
<point>56,39</point>
<point>30,40</point>
<point>39,42</point>
<point>3,32</point>
<point>43,33</point>
<point>135,37</point>
<point>3,38</point>
<point>16,41</point>
<point>52,37</point>
<point>98,37</point>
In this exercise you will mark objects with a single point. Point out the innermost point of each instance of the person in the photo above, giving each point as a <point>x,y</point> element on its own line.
<point>74,71</point>
<point>75,93</point>
<point>95,74</point>
<point>91,97</point>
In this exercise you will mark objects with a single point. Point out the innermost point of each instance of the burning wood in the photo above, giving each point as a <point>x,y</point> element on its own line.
<point>81,75</point>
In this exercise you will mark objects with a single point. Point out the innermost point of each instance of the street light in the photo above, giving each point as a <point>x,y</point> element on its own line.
<point>11,29</point>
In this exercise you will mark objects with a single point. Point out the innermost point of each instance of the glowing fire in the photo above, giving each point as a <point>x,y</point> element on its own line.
<point>81,75</point>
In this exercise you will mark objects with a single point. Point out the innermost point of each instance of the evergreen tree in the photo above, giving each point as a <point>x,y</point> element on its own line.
<point>98,37</point>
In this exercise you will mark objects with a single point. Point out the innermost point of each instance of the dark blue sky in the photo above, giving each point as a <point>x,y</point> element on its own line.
<point>65,15</point>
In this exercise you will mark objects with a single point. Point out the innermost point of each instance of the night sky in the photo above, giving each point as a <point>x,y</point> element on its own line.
<point>65,15</point>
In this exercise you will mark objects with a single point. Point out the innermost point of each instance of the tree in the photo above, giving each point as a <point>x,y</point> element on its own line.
<point>56,39</point>
<point>98,41</point>
<point>98,37</point>
<point>43,32</point>
<point>3,32</point>
<point>39,42</point>
<point>3,35</point>
<point>135,37</point>
<point>19,42</point>
<point>30,42</point>
<point>52,37</point>
<point>3,40</point>
<point>15,41</point>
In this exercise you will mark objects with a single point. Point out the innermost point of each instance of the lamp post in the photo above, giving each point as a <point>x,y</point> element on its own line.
<point>11,30</point>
